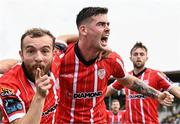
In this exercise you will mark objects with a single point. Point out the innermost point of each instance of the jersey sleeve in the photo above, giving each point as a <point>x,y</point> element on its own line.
<point>11,104</point>
<point>116,86</point>
<point>117,66</point>
<point>163,81</point>
<point>61,45</point>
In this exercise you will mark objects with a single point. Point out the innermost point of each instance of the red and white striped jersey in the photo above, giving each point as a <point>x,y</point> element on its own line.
<point>115,119</point>
<point>83,85</point>
<point>140,108</point>
<point>17,91</point>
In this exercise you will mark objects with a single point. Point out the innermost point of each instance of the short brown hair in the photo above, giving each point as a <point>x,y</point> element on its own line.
<point>138,45</point>
<point>37,32</point>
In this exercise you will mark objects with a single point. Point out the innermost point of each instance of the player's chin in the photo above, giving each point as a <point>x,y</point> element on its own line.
<point>103,46</point>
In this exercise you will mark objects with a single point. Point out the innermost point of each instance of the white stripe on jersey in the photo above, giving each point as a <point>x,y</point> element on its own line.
<point>32,85</point>
<point>61,55</point>
<point>164,78</point>
<point>55,95</point>
<point>95,90</point>
<point>18,115</point>
<point>1,103</point>
<point>74,88</point>
<point>166,81</point>
<point>141,104</point>
<point>18,95</point>
<point>113,118</point>
<point>119,118</point>
<point>130,109</point>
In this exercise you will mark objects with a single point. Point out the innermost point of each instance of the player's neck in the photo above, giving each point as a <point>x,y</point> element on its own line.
<point>138,70</point>
<point>115,113</point>
<point>87,52</point>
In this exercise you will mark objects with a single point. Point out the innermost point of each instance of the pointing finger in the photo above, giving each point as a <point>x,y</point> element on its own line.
<point>38,74</point>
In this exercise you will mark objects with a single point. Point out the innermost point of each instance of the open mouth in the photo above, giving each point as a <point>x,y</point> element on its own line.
<point>104,40</point>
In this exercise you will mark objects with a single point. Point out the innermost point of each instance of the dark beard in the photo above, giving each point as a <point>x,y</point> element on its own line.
<point>29,72</point>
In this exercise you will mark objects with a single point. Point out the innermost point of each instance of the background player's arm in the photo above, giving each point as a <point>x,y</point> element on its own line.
<point>34,114</point>
<point>70,38</point>
<point>175,90</point>
<point>137,85</point>
<point>6,64</point>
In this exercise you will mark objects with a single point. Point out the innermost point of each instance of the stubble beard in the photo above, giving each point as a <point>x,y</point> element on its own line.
<point>138,66</point>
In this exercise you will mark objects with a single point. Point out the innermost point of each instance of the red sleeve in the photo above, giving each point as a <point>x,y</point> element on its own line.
<point>117,66</point>
<point>116,85</point>
<point>163,81</point>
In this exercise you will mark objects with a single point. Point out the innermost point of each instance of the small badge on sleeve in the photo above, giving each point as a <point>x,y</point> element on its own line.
<point>6,92</point>
<point>12,105</point>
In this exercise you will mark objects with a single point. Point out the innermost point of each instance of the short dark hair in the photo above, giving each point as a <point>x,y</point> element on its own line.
<point>138,45</point>
<point>87,12</point>
<point>37,32</point>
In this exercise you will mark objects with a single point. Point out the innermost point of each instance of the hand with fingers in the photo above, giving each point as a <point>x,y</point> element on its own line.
<point>165,98</point>
<point>42,83</point>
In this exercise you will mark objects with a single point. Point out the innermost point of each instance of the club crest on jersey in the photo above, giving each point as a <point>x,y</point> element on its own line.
<point>101,73</point>
<point>6,91</point>
<point>12,105</point>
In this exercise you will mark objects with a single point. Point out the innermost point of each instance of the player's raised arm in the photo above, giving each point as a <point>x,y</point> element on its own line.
<point>137,85</point>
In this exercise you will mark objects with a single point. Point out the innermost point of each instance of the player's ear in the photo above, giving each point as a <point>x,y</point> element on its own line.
<point>21,54</point>
<point>130,58</point>
<point>83,29</point>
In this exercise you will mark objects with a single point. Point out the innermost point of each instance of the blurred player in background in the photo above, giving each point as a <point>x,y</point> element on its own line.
<point>115,115</point>
<point>139,108</point>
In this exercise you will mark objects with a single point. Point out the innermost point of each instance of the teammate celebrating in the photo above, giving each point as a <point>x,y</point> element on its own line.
<point>83,79</point>
<point>139,108</point>
<point>29,90</point>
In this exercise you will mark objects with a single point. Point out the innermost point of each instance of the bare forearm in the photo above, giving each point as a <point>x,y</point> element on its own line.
<point>6,64</point>
<point>144,89</point>
<point>33,116</point>
<point>68,38</point>
<point>175,91</point>
<point>139,86</point>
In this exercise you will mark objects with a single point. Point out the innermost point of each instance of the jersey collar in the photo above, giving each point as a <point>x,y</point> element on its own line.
<point>79,55</point>
<point>140,73</point>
